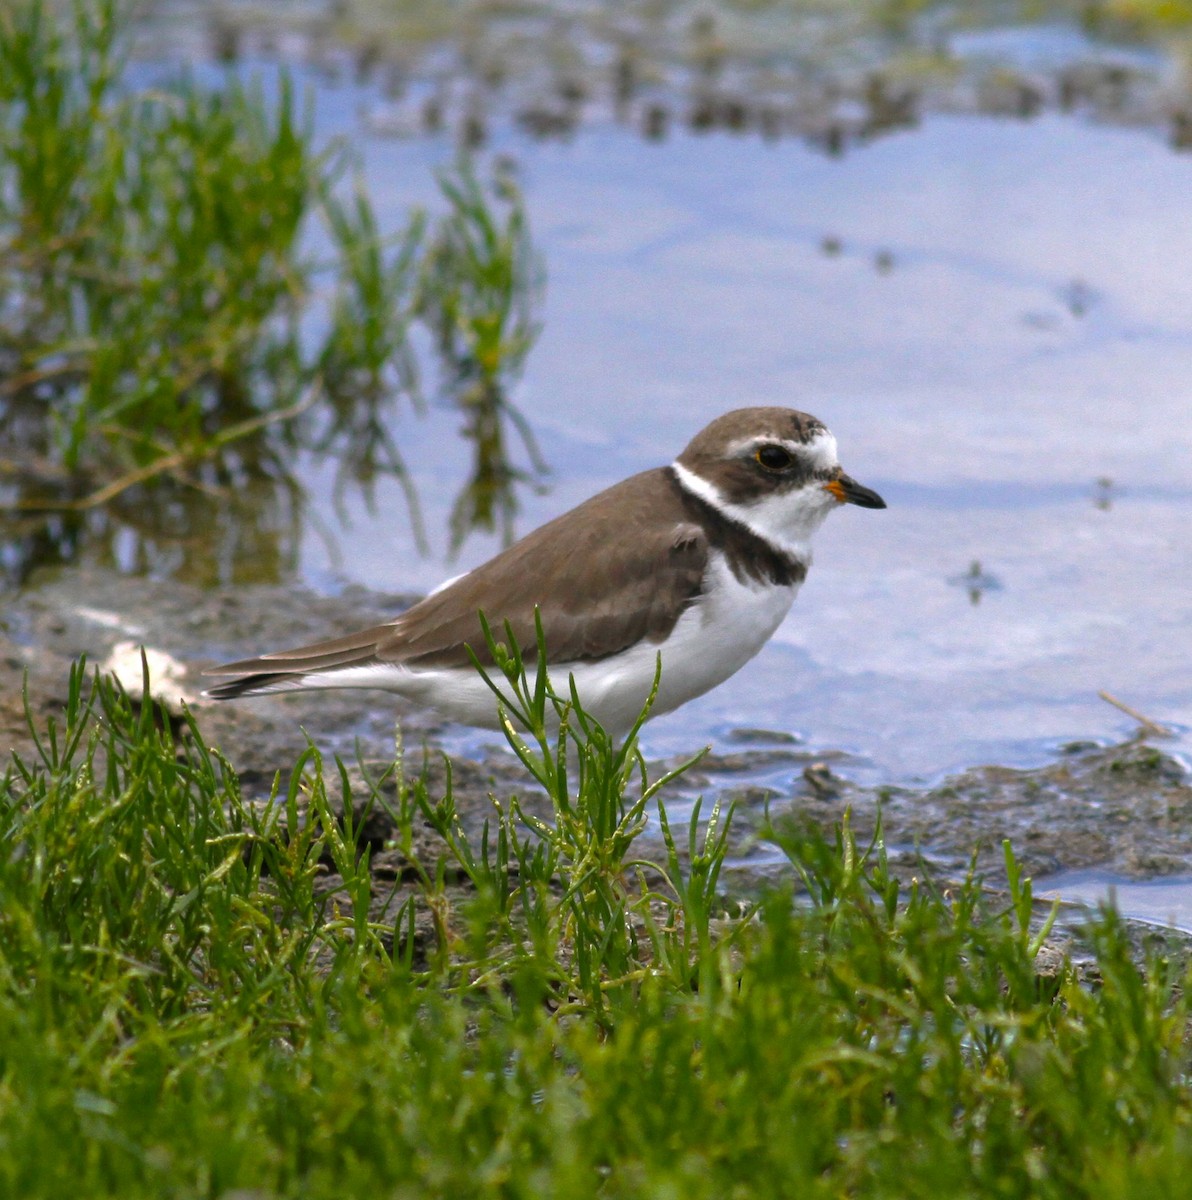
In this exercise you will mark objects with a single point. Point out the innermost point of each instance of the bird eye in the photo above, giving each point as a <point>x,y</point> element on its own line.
<point>774,458</point>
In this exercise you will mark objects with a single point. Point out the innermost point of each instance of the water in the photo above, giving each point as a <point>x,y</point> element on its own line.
<point>1166,902</point>
<point>991,315</point>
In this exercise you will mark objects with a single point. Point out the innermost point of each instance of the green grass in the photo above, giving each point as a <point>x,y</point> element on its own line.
<point>162,318</point>
<point>188,1008</point>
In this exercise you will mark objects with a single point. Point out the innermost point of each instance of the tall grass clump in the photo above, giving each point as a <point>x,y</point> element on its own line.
<point>152,278</point>
<point>206,995</point>
<point>162,313</point>
<point>566,900</point>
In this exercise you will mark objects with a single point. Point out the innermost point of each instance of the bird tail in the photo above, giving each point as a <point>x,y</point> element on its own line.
<point>263,683</point>
<point>306,667</point>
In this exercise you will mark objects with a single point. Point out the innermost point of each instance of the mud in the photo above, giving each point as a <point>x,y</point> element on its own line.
<point>1125,808</point>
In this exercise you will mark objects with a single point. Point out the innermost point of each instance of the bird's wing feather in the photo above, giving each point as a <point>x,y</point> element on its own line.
<point>592,605</point>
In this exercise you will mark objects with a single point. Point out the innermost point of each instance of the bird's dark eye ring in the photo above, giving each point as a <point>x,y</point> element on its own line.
<point>774,458</point>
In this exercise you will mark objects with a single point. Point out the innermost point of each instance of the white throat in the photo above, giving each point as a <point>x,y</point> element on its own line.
<point>785,520</point>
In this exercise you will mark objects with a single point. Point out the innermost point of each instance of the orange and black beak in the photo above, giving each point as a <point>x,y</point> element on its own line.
<point>849,491</point>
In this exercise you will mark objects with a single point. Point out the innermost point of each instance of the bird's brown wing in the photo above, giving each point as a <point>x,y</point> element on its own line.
<point>593,603</point>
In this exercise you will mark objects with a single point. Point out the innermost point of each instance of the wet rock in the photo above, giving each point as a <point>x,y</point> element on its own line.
<point>655,122</point>
<point>750,760</point>
<point>779,737</point>
<point>132,664</point>
<point>1181,131</point>
<point>1003,92</point>
<point>819,778</point>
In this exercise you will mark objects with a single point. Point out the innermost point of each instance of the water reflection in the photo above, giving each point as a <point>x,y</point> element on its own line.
<point>1166,902</point>
<point>481,297</point>
<point>489,501</point>
<point>225,502</point>
<point>976,581</point>
<point>221,524</point>
<point>246,532</point>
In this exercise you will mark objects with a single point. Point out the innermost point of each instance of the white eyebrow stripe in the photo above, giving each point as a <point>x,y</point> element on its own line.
<point>820,450</point>
<point>748,445</point>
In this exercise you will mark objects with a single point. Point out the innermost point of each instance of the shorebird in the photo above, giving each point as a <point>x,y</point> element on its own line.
<point>698,561</point>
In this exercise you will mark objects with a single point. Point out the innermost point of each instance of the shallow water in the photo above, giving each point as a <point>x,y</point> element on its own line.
<point>1166,902</point>
<point>992,316</point>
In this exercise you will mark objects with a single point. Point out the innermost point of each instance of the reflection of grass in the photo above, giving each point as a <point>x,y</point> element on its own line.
<point>152,280</point>
<point>155,304</point>
<point>199,996</point>
<point>480,290</point>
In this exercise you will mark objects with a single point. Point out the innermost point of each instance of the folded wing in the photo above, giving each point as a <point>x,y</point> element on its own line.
<point>602,579</point>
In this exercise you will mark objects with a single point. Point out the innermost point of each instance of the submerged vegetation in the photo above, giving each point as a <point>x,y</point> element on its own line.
<point>162,254</point>
<point>341,990</point>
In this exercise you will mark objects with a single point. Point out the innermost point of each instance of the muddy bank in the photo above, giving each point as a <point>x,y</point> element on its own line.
<point>1127,808</point>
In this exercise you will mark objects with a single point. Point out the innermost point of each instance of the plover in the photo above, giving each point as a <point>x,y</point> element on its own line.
<point>698,561</point>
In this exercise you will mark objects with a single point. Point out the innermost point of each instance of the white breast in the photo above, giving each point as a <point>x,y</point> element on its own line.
<point>712,640</point>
